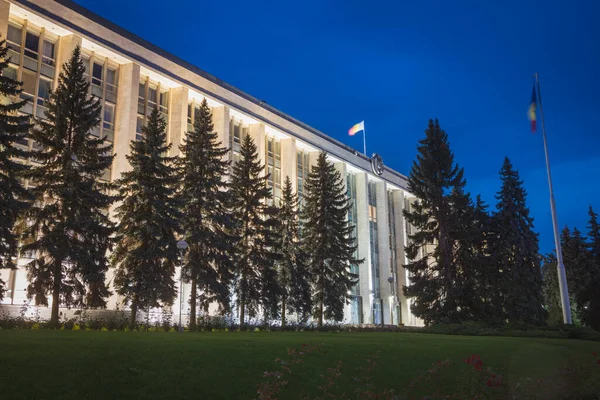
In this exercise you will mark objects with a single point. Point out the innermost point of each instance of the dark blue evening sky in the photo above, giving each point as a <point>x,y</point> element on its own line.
<point>396,64</point>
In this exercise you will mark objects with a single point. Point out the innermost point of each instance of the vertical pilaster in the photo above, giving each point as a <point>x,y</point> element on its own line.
<point>401,241</point>
<point>66,45</point>
<point>289,163</point>
<point>126,118</point>
<point>364,245</point>
<point>177,118</point>
<point>4,15</point>
<point>257,133</point>
<point>221,119</point>
<point>383,240</point>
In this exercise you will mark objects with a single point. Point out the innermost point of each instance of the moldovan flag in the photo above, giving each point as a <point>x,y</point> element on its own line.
<point>356,128</point>
<point>531,113</point>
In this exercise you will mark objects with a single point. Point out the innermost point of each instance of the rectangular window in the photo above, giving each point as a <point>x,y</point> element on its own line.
<point>14,39</point>
<point>44,91</point>
<point>32,45</point>
<point>10,73</point>
<point>111,80</point>
<point>28,85</point>
<point>164,102</point>
<point>97,74</point>
<point>48,53</point>
<point>109,116</point>
<point>152,98</point>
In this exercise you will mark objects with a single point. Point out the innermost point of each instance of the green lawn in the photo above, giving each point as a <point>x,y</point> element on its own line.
<point>228,365</point>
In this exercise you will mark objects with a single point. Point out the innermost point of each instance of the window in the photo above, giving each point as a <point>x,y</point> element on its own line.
<point>97,74</point>
<point>32,45</point>
<point>48,53</point>
<point>97,79</point>
<point>274,167</point>
<point>111,80</point>
<point>151,100</point>
<point>164,102</point>
<point>109,116</point>
<point>28,87</point>
<point>44,91</point>
<point>138,127</point>
<point>14,39</point>
<point>10,73</point>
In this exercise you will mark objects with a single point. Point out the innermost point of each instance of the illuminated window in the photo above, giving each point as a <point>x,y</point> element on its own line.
<point>274,168</point>
<point>302,166</point>
<point>237,132</point>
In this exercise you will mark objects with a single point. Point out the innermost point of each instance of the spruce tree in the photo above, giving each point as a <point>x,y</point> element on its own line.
<point>206,218</point>
<point>294,279</point>
<point>146,252</point>
<point>485,271</point>
<point>516,251</point>
<point>70,228</point>
<point>328,240</point>
<point>13,196</point>
<point>550,290</point>
<point>578,267</point>
<point>592,292</point>
<point>440,214</point>
<point>256,283</point>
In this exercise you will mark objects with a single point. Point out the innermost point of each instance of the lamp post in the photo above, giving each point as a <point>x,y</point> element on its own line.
<point>181,246</point>
<point>393,292</point>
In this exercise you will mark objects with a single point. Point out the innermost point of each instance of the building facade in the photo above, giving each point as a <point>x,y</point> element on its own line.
<point>132,76</point>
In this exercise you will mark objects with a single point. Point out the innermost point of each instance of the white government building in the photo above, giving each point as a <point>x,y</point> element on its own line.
<point>132,76</point>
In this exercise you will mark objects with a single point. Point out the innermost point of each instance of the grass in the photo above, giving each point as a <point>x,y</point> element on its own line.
<point>48,364</point>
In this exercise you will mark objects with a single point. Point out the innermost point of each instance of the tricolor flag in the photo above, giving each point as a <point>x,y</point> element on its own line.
<point>356,128</point>
<point>531,113</point>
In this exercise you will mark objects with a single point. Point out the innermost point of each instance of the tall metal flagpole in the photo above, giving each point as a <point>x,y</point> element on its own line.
<point>562,276</point>
<point>364,139</point>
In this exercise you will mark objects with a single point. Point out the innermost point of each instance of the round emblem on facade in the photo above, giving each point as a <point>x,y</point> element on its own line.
<point>377,164</point>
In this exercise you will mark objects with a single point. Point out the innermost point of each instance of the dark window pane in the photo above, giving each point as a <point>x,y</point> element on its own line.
<point>32,43</point>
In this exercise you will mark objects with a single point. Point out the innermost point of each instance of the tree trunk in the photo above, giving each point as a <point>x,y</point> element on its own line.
<point>321,300</point>
<point>242,308</point>
<point>56,294</point>
<point>193,299</point>
<point>133,319</point>
<point>283,311</point>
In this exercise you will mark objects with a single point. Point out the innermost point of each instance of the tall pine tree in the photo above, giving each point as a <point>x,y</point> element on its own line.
<point>206,218</point>
<point>13,196</point>
<point>438,214</point>
<point>70,228</point>
<point>256,283</point>
<point>294,278</point>
<point>516,251</point>
<point>146,246</point>
<point>328,240</point>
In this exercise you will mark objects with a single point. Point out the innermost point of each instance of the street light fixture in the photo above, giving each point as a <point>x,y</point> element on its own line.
<point>182,246</point>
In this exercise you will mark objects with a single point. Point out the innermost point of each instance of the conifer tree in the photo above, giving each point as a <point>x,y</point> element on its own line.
<point>516,251</point>
<point>206,218</point>
<point>485,271</point>
<point>146,246</point>
<point>294,279</point>
<point>70,228</point>
<point>13,196</point>
<point>256,283</point>
<point>328,240</point>
<point>579,267</point>
<point>591,294</point>
<point>550,290</point>
<point>440,215</point>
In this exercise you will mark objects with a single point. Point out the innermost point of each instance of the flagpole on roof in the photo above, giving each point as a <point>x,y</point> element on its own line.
<point>562,276</point>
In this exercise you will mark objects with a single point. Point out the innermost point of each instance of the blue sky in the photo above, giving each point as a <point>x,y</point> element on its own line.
<point>396,64</point>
